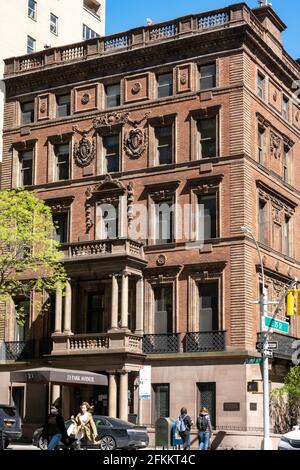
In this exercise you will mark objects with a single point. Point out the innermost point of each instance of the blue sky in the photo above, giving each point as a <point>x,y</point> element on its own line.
<point>127,14</point>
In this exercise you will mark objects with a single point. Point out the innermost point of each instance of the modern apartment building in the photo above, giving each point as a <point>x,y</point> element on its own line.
<point>144,143</point>
<point>27,26</point>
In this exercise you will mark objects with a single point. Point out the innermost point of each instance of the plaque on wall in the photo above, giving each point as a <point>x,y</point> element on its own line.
<point>253,406</point>
<point>231,406</point>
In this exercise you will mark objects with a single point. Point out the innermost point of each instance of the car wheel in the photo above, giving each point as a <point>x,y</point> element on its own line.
<point>107,443</point>
<point>42,443</point>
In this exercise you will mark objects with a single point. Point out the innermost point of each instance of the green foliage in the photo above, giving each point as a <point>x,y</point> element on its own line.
<point>29,256</point>
<point>286,399</point>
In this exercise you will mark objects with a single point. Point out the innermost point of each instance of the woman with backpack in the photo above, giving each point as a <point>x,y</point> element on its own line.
<point>184,424</point>
<point>205,429</point>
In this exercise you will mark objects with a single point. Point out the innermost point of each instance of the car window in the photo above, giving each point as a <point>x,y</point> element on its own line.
<point>8,411</point>
<point>101,422</point>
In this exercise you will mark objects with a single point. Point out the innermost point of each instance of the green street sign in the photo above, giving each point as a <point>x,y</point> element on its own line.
<point>253,360</point>
<point>276,325</point>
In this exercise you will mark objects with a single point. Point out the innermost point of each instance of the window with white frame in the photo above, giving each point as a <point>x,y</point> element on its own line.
<point>163,310</point>
<point>286,164</point>
<point>261,145</point>
<point>260,85</point>
<point>88,33</point>
<point>207,217</point>
<point>164,144</point>
<point>27,113</point>
<point>164,85</point>
<point>109,220</point>
<point>111,146</point>
<point>164,217</point>
<point>286,235</point>
<point>63,105</point>
<point>113,95</point>
<point>53,24</point>
<point>208,76</point>
<point>285,108</point>
<point>32,9</point>
<point>208,306</point>
<point>26,168</point>
<point>60,222</point>
<point>31,45</point>
<point>62,154</point>
<point>207,133</point>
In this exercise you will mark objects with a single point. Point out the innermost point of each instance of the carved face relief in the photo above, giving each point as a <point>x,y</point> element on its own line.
<point>135,143</point>
<point>275,145</point>
<point>84,152</point>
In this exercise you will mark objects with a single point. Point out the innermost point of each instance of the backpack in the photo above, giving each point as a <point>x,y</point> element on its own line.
<point>180,425</point>
<point>202,423</point>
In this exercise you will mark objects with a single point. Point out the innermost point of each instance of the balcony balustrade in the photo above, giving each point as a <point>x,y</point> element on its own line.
<point>208,341</point>
<point>97,248</point>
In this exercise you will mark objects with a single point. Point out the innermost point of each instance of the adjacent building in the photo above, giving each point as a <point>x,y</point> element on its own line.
<point>144,143</point>
<point>41,24</point>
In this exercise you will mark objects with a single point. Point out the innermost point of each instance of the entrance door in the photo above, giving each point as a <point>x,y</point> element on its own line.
<point>207,399</point>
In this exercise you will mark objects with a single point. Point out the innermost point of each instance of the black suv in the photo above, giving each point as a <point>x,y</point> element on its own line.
<point>10,425</point>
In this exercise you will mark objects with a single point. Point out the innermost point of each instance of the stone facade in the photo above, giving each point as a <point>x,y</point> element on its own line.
<point>249,179</point>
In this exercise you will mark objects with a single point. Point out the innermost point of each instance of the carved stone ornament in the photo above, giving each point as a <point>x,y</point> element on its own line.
<point>136,88</point>
<point>85,98</point>
<point>43,108</point>
<point>275,96</point>
<point>110,119</point>
<point>130,199</point>
<point>161,260</point>
<point>84,151</point>
<point>88,209</point>
<point>183,78</point>
<point>135,143</point>
<point>275,145</point>
<point>297,116</point>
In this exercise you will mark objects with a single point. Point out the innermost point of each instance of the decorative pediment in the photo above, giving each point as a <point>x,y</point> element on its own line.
<point>202,271</point>
<point>204,113</point>
<point>204,185</point>
<point>109,184</point>
<point>60,138</point>
<point>163,190</point>
<point>161,274</point>
<point>24,145</point>
<point>279,202</point>
<point>61,204</point>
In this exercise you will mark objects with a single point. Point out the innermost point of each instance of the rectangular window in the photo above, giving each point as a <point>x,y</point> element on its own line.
<point>260,85</point>
<point>60,222</point>
<point>22,307</point>
<point>207,217</point>
<point>207,76</point>
<point>207,130</point>
<point>62,153</point>
<point>110,220</point>
<point>26,167</point>
<point>27,113</point>
<point>262,221</point>
<point>53,24</point>
<point>63,105</point>
<point>164,213</point>
<point>32,9</point>
<point>163,320</point>
<point>286,236</point>
<point>111,144</point>
<point>285,108</point>
<point>88,33</point>
<point>208,307</point>
<point>207,399</point>
<point>96,314</point>
<point>161,400</point>
<point>92,6</point>
<point>261,145</point>
<point>164,85</point>
<point>113,95</point>
<point>31,45</point>
<point>164,142</point>
<point>286,164</point>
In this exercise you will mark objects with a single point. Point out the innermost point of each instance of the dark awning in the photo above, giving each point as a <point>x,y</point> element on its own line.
<point>45,375</point>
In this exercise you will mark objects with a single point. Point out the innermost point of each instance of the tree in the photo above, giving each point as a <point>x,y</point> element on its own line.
<point>29,257</point>
<point>285,403</point>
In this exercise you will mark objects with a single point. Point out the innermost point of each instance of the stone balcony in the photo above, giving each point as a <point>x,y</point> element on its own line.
<point>101,343</point>
<point>190,25</point>
<point>102,248</point>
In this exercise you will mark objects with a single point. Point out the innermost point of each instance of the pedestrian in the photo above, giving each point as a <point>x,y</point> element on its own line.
<point>184,424</point>
<point>84,425</point>
<point>54,429</point>
<point>205,429</point>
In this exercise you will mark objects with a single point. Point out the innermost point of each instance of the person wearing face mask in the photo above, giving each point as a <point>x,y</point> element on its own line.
<point>84,425</point>
<point>54,429</point>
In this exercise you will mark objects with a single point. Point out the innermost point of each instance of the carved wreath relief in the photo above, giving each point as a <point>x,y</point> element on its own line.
<point>84,151</point>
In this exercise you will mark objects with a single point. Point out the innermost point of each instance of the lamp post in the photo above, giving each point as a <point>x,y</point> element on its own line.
<point>263,302</point>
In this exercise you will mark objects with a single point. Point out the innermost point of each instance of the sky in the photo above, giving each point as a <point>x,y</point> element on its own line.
<point>127,14</point>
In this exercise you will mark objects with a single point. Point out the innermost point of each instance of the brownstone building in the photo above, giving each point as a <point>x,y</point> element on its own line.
<point>193,124</point>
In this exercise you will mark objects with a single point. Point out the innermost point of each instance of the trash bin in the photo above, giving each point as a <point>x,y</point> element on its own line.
<point>176,440</point>
<point>163,432</point>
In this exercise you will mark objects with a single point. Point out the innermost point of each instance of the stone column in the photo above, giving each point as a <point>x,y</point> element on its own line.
<point>123,396</point>
<point>139,294</point>
<point>55,394</point>
<point>114,302</point>
<point>58,310</point>
<point>68,309</point>
<point>112,395</point>
<point>124,304</point>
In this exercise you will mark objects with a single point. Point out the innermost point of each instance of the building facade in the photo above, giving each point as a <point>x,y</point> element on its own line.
<point>154,148</point>
<point>41,24</point>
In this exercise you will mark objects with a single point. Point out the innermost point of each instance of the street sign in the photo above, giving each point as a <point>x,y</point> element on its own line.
<point>267,353</point>
<point>259,346</point>
<point>276,325</point>
<point>272,345</point>
<point>253,360</point>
